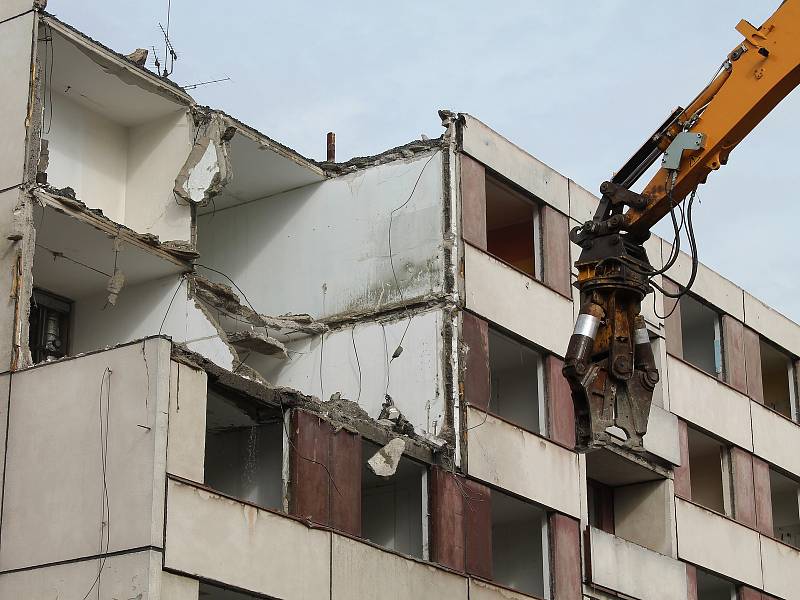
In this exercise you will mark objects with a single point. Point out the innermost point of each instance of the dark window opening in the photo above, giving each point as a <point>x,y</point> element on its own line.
<point>712,587</point>
<point>244,450</point>
<point>709,472</point>
<point>785,494</point>
<point>49,323</point>
<point>516,382</point>
<point>393,509</point>
<point>520,546</point>
<point>512,226</point>
<point>701,335</point>
<point>212,592</point>
<point>778,380</point>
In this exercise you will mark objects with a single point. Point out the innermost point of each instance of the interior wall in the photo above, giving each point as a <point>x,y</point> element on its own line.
<point>157,151</point>
<point>775,368</point>
<point>515,385</point>
<point>337,233</point>
<point>355,361</point>
<point>785,508</point>
<point>518,544</point>
<point>88,153</point>
<point>391,507</point>
<point>643,514</point>
<point>247,463</point>
<point>143,310</point>
<point>706,471</point>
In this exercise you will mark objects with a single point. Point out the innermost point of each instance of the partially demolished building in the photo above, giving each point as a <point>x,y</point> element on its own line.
<point>232,372</point>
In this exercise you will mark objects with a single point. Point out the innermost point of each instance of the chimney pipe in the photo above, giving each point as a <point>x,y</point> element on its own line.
<point>331,147</point>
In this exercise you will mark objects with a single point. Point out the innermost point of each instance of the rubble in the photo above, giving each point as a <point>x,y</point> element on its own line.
<point>255,341</point>
<point>384,462</point>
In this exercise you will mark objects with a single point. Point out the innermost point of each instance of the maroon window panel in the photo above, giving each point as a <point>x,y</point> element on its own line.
<point>475,335</point>
<point>325,471</point>
<point>477,528</point>
<point>752,359</point>
<point>733,349</point>
<point>566,557</point>
<point>763,496</point>
<point>556,250</point>
<point>447,520</point>
<point>691,582</point>
<point>560,409</point>
<point>744,499</point>
<point>683,482</point>
<point>672,324</point>
<point>473,202</point>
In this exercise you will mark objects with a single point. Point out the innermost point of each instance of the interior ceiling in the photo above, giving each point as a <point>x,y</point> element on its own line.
<point>72,72</point>
<point>505,207</point>
<point>612,469</point>
<point>223,413</point>
<point>508,509</point>
<point>780,484</point>
<point>508,354</point>
<point>774,363</point>
<point>79,242</point>
<point>260,171</point>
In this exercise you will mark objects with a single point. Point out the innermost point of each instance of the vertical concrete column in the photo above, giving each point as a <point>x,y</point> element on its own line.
<point>556,260</point>
<point>475,335</point>
<point>473,202</point>
<point>560,410</point>
<point>478,528</point>
<point>763,496</point>
<point>565,550</point>
<point>744,499</point>
<point>752,360</point>
<point>734,354</point>
<point>683,482</point>
<point>672,324</point>
<point>325,473</point>
<point>447,532</point>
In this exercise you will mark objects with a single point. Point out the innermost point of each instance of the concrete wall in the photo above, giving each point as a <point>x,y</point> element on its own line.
<point>127,172</point>
<point>187,422</point>
<point>360,373</point>
<point>54,480</point>
<point>644,514</point>
<point>779,563</point>
<point>718,544</point>
<point>775,438</point>
<point>140,311</point>
<point>336,234</point>
<point>708,403</point>
<point>508,457</point>
<point>525,306</point>
<point>633,570</point>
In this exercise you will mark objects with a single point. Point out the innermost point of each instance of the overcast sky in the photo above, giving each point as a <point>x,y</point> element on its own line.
<point>577,84</point>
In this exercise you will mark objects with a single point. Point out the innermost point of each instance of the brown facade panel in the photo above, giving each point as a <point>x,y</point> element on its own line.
<point>752,360</point>
<point>763,496</point>
<point>561,411</point>
<point>475,334</point>
<point>566,557</point>
<point>478,528</point>
<point>683,482</point>
<point>447,520</point>
<point>473,202</point>
<point>691,582</point>
<point>325,473</point>
<point>747,593</point>
<point>672,324</point>
<point>345,462</point>
<point>734,357</point>
<point>556,261</point>
<point>309,492</point>
<point>744,500</point>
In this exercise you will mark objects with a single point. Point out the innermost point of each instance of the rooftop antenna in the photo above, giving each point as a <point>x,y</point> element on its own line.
<point>192,86</point>
<point>170,56</point>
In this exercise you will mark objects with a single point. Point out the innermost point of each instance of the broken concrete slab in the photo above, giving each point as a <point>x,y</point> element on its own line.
<point>384,462</point>
<point>256,341</point>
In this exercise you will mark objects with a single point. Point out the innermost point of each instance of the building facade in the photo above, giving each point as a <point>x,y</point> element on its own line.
<point>233,372</point>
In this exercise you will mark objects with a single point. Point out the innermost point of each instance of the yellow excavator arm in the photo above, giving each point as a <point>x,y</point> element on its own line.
<point>609,363</point>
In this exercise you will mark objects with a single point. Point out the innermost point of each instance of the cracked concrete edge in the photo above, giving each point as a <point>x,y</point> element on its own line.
<point>210,129</point>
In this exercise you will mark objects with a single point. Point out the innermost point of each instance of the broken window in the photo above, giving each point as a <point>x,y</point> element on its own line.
<point>244,450</point>
<point>778,380</point>
<point>709,471</point>
<point>622,494</point>
<point>713,587</point>
<point>785,493</point>
<point>701,335</point>
<point>520,547</point>
<point>512,227</point>
<point>516,382</point>
<point>394,509</point>
<point>49,323</point>
<point>212,592</point>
